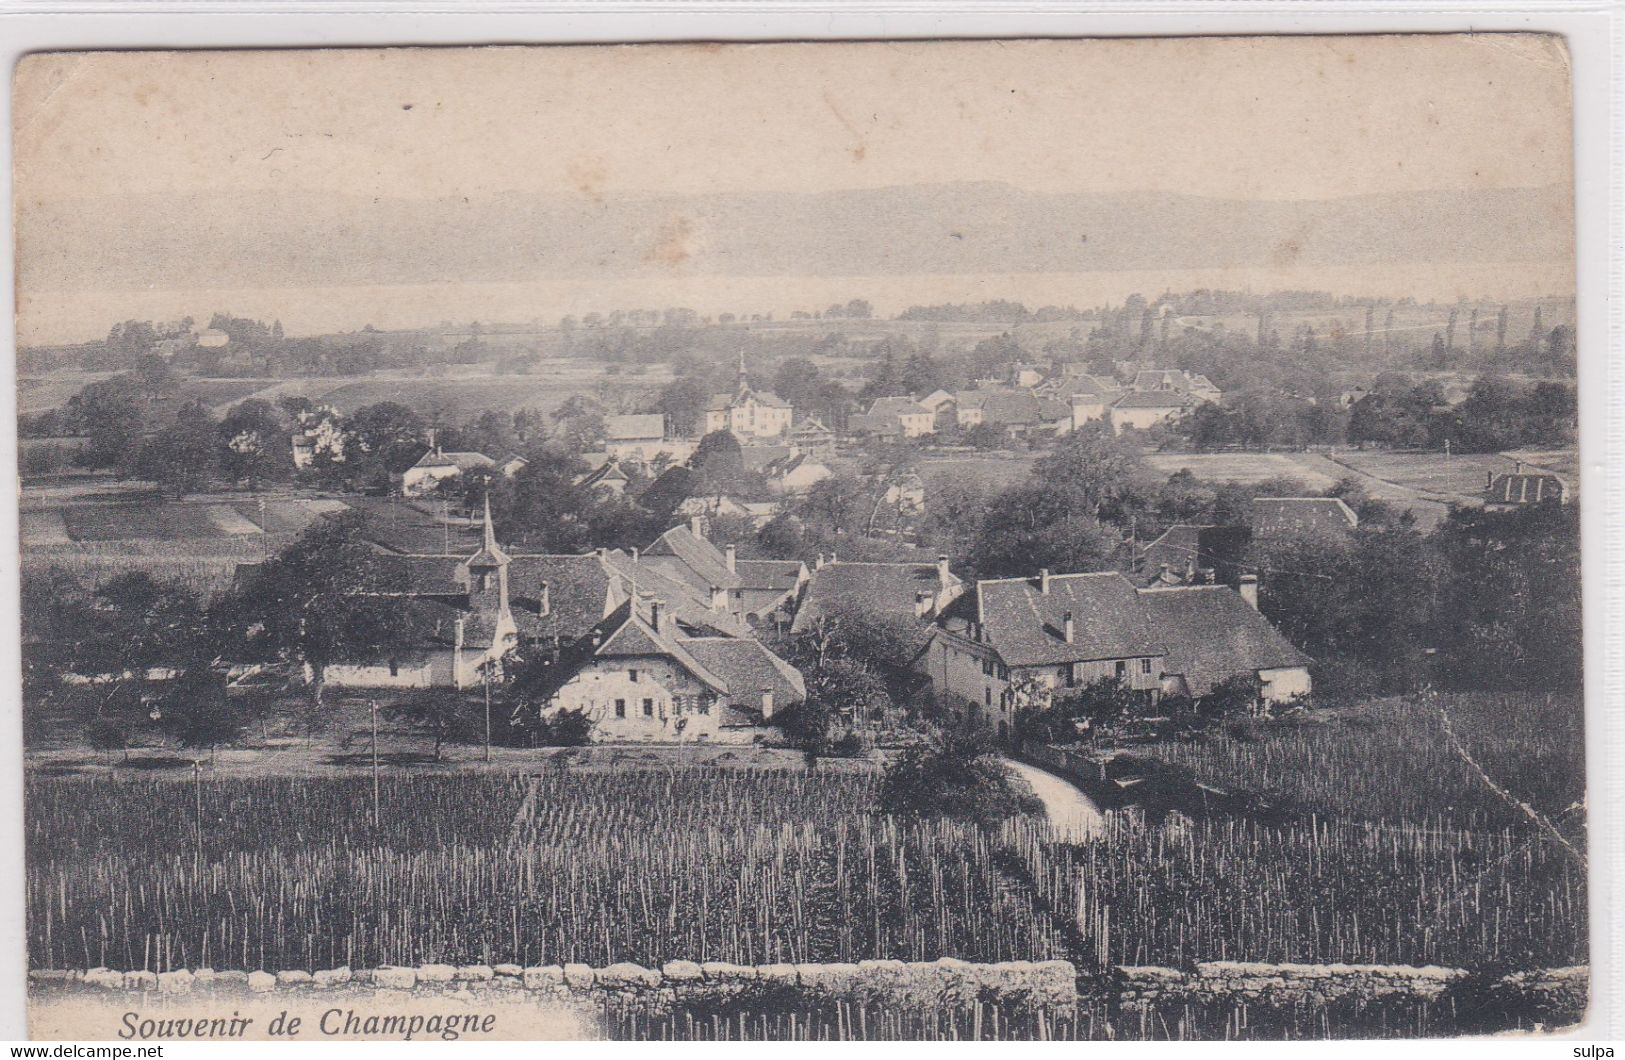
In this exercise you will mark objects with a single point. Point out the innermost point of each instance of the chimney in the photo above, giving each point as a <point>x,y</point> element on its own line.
<point>1249,590</point>
<point>1069,629</point>
<point>1517,467</point>
<point>544,602</point>
<point>728,553</point>
<point>634,553</point>
<point>719,598</point>
<point>696,526</point>
<point>1489,480</point>
<point>1043,581</point>
<point>767,703</point>
<point>818,564</point>
<point>601,552</point>
<point>942,571</point>
<point>654,615</point>
<point>832,557</point>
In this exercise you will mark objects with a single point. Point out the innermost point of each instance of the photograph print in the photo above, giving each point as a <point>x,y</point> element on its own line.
<point>977,540</point>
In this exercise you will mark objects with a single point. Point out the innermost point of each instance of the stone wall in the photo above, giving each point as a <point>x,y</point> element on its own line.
<point>947,983</point>
<point>1549,996</point>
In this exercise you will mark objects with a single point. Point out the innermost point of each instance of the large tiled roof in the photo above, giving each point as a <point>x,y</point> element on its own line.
<point>427,575</point>
<point>460,461</point>
<point>1297,515</point>
<point>768,573</point>
<point>761,457</point>
<point>707,565</point>
<point>898,406</point>
<point>1028,626</point>
<point>579,591</point>
<point>1010,407</point>
<point>748,668</point>
<point>719,402</point>
<point>886,589</point>
<point>1154,399</point>
<point>1211,633</point>
<point>640,426</point>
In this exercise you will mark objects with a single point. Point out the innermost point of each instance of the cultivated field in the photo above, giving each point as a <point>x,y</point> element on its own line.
<point>99,527</point>
<point>1414,862</point>
<point>1426,483</point>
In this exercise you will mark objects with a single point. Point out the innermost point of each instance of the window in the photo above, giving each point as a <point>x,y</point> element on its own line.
<point>632,675</point>
<point>704,704</point>
<point>1122,668</point>
<point>648,708</point>
<point>394,668</point>
<point>987,694</point>
<point>620,708</point>
<point>1145,666</point>
<point>1072,676</point>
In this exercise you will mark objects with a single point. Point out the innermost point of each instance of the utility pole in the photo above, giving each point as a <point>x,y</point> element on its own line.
<point>374,705</point>
<point>487,669</point>
<point>445,527</point>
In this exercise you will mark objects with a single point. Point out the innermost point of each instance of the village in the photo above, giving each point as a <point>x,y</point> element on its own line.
<point>703,605</point>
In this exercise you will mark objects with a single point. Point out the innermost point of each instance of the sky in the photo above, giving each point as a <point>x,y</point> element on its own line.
<point>1245,118</point>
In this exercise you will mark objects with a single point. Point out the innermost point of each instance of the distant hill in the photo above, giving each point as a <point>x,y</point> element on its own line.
<point>297,239</point>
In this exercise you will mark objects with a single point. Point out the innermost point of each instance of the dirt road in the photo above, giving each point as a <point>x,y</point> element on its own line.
<point>1071,813</point>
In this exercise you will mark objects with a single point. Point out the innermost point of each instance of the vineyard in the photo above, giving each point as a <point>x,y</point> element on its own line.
<point>767,866</point>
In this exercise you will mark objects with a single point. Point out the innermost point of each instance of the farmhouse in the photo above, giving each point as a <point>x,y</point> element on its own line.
<point>1301,516</point>
<point>1141,410</point>
<point>752,415</point>
<point>1197,386</point>
<point>1012,642</point>
<point>897,417</point>
<point>607,477</point>
<point>1016,412</point>
<point>812,438</point>
<point>1520,489</point>
<point>795,474</point>
<point>461,621</point>
<point>467,614</point>
<point>640,437</point>
<point>436,467</point>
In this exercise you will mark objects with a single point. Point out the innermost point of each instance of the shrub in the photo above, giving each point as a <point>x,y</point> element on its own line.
<point>958,779</point>
<point>565,728</point>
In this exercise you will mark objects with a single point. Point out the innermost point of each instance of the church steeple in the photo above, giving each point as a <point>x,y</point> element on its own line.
<point>488,568</point>
<point>744,377</point>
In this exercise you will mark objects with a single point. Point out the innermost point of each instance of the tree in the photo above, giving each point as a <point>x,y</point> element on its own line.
<point>956,778</point>
<point>111,418</point>
<point>442,714</point>
<point>541,506</point>
<point>318,602</point>
<point>683,402</point>
<point>182,458</point>
<point>578,424</point>
<point>383,440</point>
<point>197,711</point>
<point>255,438</point>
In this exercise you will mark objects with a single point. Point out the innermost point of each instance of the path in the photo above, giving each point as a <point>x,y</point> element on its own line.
<point>1072,815</point>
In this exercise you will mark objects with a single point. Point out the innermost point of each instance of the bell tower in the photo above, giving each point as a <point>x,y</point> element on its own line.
<point>488,571</point>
